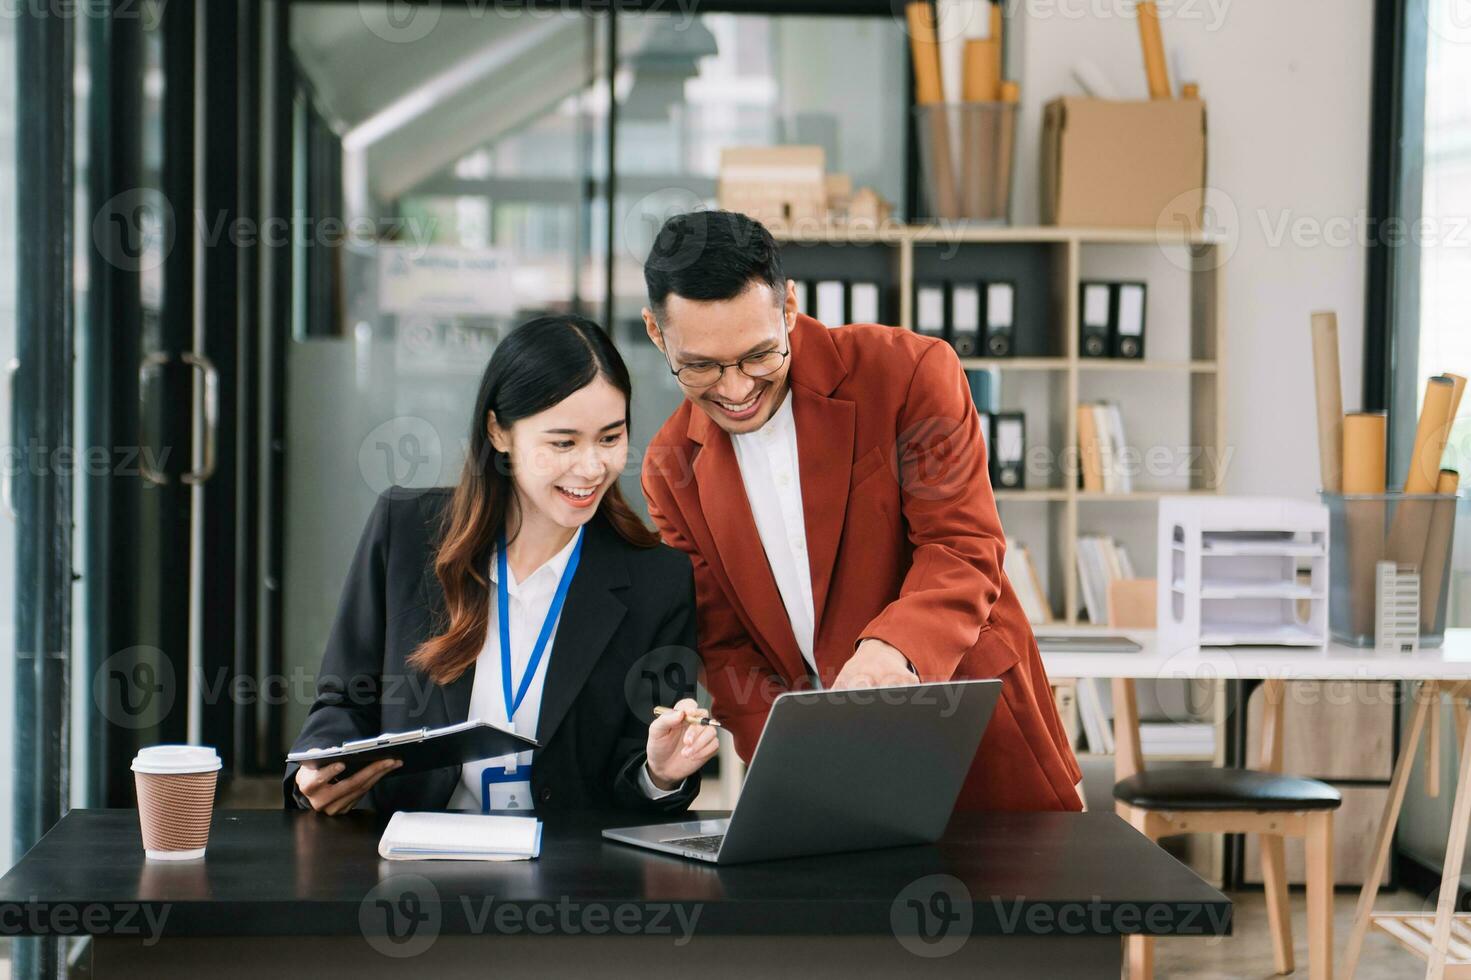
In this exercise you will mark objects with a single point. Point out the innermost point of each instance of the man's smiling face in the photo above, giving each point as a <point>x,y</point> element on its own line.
<point>701,333</point>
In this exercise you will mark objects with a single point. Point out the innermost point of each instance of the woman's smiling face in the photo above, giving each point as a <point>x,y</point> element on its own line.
<point>564,459</point>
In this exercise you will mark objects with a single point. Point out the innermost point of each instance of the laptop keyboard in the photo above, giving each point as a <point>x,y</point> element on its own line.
<point>709,843</point>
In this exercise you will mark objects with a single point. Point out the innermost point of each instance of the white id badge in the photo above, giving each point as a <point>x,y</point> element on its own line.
<point>505,788</point>
<point>511,796</point>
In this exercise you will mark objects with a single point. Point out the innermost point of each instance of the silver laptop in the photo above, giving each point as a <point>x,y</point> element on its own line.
<point>842,771</point>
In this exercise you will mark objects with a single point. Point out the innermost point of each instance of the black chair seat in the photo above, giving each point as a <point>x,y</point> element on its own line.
<point>1224,789</point>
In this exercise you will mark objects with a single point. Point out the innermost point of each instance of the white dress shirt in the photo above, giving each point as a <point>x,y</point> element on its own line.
<point>529,603</point>
<point>768,462</point>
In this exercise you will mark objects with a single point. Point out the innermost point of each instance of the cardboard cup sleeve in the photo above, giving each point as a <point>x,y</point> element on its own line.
<point>176,798</point>
<point>174,810</point>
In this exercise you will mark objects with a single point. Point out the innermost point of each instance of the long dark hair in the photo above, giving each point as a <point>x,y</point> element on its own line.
<point>536,366</point>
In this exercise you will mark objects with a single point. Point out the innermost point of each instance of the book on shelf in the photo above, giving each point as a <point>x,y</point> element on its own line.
<point>1177,738</point>
<point>863,302</point>
<point>1039,590</point>
<point>1095,715</point>
<point>1107,448</point>
<point>1065,696</point>
<point>1112,448</point>
<point>1006,450</point>
<point>1087,716</point>
<point>830,302</point>
<point>804,296</point>
<point>1088,458</point>
<point>930,316</point>
<point>984,389</point>
<point>1102,448</point>
<point>1101,560</point>
<point>1021,571</point>
<point>965,319</point>
<point>1094,705</point>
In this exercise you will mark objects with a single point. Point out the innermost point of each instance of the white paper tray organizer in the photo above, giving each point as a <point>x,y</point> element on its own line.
<point>1242,571</point>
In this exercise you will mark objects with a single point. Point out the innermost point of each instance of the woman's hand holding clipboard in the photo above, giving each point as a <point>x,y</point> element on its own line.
<point>340,775</point>
<point>327,794</point>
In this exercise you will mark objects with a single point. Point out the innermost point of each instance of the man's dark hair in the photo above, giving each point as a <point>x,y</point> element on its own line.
<point>711,255</point>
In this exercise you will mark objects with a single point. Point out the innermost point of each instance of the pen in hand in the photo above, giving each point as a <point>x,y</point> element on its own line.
<point>691,718</point>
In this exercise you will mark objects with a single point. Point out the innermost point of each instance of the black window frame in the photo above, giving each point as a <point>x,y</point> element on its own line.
<point>1392,262</point>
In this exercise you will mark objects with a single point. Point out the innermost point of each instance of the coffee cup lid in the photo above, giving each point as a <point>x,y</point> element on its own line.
<point>166,759</point>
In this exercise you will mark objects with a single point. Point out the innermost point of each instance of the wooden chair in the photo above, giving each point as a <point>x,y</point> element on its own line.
<point>1260,801</point>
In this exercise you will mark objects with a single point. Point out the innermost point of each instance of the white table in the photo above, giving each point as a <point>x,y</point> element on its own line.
<point>1451,662</point>
<point>1444,939</point>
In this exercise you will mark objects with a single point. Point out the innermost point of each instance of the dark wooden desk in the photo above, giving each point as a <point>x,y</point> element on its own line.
<point>300,894</point>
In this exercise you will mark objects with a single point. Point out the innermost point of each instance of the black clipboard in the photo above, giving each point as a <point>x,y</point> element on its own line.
<point>421,750</point>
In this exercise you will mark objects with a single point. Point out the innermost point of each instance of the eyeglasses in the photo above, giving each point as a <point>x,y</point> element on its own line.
<point>703,374</point>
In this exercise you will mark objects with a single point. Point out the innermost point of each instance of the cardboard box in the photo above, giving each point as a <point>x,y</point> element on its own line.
<point>776,185</point>
<point>1123,164</point>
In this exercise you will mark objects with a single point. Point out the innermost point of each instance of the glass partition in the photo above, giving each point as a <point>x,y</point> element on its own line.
<point>443,194</point>
<point>451,174</point>
<point>689,87</point>
<point>8,243</point>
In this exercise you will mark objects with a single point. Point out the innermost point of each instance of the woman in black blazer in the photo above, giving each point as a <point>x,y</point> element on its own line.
<point>420,612</point>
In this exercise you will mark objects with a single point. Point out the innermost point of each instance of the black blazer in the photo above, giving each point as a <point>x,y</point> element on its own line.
<point>627,608</point>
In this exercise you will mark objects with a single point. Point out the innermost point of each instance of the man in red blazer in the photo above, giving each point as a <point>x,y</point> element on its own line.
<point>830,487</point>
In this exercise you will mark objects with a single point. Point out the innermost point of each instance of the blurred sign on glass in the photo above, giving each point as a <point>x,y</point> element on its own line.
<point>445,280</point>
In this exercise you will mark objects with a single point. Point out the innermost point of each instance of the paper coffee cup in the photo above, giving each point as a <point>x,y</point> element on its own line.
<point>176,797</point>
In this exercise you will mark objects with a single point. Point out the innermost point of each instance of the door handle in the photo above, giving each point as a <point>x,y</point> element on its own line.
<point>7,488</point>
<point>149,364</point>
<point>202,364</point>
<point>206,468</point>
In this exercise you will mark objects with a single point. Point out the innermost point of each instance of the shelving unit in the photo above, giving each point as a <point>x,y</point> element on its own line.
<point>1048,372</point>
<point>1233,588</point>
<point>1118,364</point>
<point>1015,363</point>
<point>1046,495</point>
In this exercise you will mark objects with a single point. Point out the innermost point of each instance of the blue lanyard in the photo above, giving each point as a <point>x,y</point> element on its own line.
<point>503,608</point>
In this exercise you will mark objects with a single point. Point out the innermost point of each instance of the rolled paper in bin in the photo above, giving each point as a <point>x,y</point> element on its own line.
<point>1458,388</point>
<point>1010,96</point>
<point>1328,388</point>
<point>929,90</point>
<point>977,151</point>
<point>980,79</point>
<point>1430,436</point>
<point>1155,73</point>
<point>1363,473</point>
<point>982,67</point>
<point>1436,573</point>
<point>1363,452</point>
<point>981,172</point>
<point>1411,528</point>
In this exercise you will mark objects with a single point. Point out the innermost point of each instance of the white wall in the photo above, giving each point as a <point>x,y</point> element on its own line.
<point>1287,90</point>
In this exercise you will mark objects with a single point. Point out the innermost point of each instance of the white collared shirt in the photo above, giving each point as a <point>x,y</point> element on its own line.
<point>768,462</point>
<point>529,603</point>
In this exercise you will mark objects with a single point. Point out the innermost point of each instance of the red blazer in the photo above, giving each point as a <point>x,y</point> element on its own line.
<point>904,542</point>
